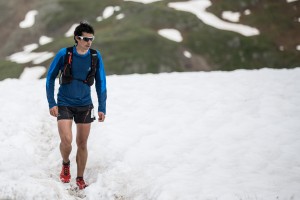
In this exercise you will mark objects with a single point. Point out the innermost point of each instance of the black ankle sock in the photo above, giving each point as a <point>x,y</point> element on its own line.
<point>79,177</point>
<point>67,163</point>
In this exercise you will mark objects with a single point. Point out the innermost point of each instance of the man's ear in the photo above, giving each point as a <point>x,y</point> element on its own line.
<point>75,38</point>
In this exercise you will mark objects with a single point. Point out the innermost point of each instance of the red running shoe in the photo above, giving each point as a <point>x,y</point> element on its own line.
<point>65,175</point>
<point>80,182</point>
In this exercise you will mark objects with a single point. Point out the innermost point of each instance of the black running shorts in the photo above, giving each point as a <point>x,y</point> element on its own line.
<point>81,114</point>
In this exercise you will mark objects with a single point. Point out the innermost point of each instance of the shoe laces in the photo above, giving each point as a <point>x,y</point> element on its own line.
<point>80,181</point>
<point>66,170</point>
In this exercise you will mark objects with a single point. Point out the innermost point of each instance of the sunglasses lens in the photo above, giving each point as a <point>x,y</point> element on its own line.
<point>86,39</point>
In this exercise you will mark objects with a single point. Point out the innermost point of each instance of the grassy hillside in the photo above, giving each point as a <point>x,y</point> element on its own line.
<point>132,44</point>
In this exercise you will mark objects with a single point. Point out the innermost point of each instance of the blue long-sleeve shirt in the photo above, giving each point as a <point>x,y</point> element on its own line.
<point>76,93</point>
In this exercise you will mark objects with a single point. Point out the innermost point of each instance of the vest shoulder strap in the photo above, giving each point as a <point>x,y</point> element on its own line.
<point>94,56</point>
<point>68,57</point>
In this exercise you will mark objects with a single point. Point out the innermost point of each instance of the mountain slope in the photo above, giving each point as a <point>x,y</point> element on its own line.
<point>133,45</point>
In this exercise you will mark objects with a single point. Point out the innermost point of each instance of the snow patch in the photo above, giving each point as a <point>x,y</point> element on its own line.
<point>290,1</point>
<point>281,48</point>
<point>198,8</point>
<point>70,32</point>
<point>30,47</point>
<point>45,40</point>
<point>298,47</point>
<point>247,12</point>
<point>187,54</point>
<point>143,1</point>
<point>171,34</point>
<point>108,12</point>
<point>31,73</point>
<point>29,19</point>
<point>120,16</point>
<point>231,16</point>
<point>27,55</point>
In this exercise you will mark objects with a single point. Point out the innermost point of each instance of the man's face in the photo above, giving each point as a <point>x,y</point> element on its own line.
<point>85,40</point>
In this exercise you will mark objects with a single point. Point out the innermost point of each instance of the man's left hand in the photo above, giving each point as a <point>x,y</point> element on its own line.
<point>101,116</point>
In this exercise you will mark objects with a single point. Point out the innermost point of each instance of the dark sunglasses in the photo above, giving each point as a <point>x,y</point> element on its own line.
<point>86,38</point>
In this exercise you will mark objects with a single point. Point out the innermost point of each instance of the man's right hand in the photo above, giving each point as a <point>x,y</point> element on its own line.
<point>54,111</point>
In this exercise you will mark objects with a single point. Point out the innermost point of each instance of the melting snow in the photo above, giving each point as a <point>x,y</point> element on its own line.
<point>231,16</point>
<point>31,73</point>
<point>187,54</point>
<point>29,19</point>
<point>70,32</point>
<point>171,34</point>
<point>45,40</point>
<point>27,55</point>
<point>198,8</point>
<point>120,16</point>
<point>183,136</point>
<point>144,1</point>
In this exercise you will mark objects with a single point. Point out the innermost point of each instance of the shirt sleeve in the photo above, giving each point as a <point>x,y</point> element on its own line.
<point>53,71</point>
<point>100,85</point>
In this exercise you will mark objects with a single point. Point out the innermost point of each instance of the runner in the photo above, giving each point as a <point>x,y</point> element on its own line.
<point>79,66</point>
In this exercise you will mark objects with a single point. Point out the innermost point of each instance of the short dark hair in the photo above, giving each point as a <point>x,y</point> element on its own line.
<point>84,26</point>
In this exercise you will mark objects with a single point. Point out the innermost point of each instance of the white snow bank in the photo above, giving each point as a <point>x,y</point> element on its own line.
<point>27,55</point>
<point>290,1</point>
<point>144,1</point>
<point>31,73</point>
<point>198,8</point>
<point>231,16</point>
<point>70,32</point>
<point>108,12</point>
<point>187,54</point>
<point>217,135</point>
<point>45,40</point>
<point>171,34</point>
<point>120,16</point>
<point>29,19</point>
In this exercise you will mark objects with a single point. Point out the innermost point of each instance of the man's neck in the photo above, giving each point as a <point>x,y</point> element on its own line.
<point>81,51</point>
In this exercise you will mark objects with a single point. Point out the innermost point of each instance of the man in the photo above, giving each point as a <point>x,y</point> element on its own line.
<point>79,66</point>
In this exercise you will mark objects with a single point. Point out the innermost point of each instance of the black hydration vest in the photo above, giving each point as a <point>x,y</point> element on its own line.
<point>66,73</point>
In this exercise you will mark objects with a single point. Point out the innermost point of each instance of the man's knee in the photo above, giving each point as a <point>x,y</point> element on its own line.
<point>81,144</point>
<point>66,142</point>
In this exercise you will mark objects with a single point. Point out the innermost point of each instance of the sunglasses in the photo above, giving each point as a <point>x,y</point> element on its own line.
<point>86,38</point>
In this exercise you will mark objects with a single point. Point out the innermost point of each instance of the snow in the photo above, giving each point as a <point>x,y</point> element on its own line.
<point>298,47</point>
<point>31,73</point>
<point>70,32</point>
<point>201,135</point>
<point>187,54</point>
<point>45,40</point>
<point>171,34</point>
<point>231,16</point>
<point>30,47</point>
<point>144,1</point>
<point>108,12</point>
<point>29,19</point>
<point>198,7</point>
<point>27,55</point>
<point>120,16</point>
<point>290,1</point>
<point>247,12</point>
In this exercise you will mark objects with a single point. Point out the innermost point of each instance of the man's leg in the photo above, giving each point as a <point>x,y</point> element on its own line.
<point>65,133</point>
<point>83,131</point>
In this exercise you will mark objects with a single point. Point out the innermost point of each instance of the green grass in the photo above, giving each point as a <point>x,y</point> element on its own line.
<point>10,70</point>
<point>132,45</point>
